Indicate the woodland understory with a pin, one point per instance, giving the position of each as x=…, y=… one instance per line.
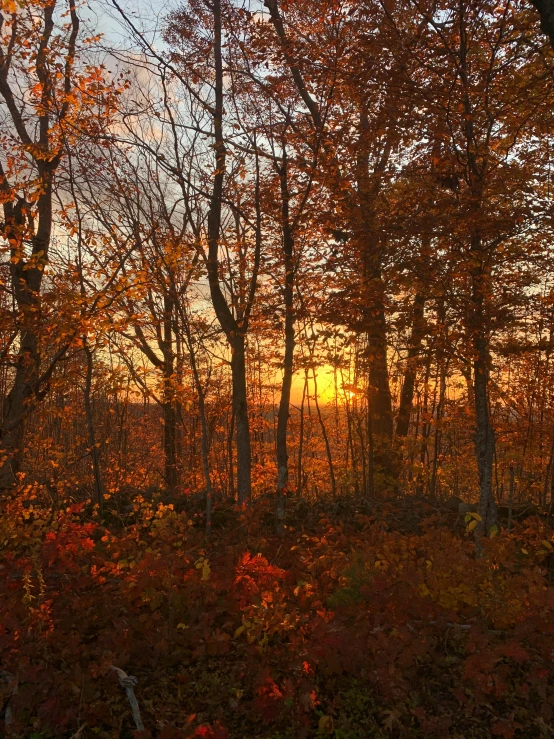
x=276, y=369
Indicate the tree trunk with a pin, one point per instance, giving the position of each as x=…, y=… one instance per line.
x=26, y=281
x=484, y=433
x=16, y=407
x=94, y=451
x=231, y=469
x=20, y=225
x=325, y=437
x=240, y=406
x=301, y=439
x=438, y=429
x=234, y=330
x=203, y=418
x=408, y=386
x=170, y=442
x=169, y=407
x=370, y=448
x=284, y=404
x=484, y=437
x=379, y=378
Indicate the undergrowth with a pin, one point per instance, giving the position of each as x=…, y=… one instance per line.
x=347, y=628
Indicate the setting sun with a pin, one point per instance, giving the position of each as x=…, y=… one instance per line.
x=276, y=369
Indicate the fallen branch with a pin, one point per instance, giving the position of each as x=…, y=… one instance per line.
x=79, y=733
x=128, y=682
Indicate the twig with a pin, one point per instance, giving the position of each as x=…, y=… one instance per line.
x=128, y=682
x=79, y=732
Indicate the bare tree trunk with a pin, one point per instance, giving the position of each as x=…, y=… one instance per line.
x=511, y=497
x=363, y=455
x=230, y=436
x=26, y=281
x=17, y=402
x=21, y=225
x=284, y=404
x=301, y=440
x=370, y=447
x=438, y=430
x=205, y=453
x=484, y=435
x=325, y=438
x=350, y=440
x=169, y=408
x=425, y=426
x=235, y=330
x=94, y=451
x=549, y=471
x=205, y=433
x=410, y=374
x=240, y=406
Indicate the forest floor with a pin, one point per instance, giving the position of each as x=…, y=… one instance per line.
x=361, y=621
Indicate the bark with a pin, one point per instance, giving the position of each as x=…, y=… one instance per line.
x=325, y=437
x=205, y=452
x=379, y=378
x=363, y=455
x=240, y=406
x=410, y=374
x=27, y=273
x=438, y=430
x=235, y=330
x=484, y=432
x=425, y=426
x=169, y=406
x=383, y=454
x=170, y=442
x=231, y=469
x=549, y=471
x=203, y=421
x=27, y=282
x=551, y=493
x=373, y=296
x=94, y=451
x=511, y=497
x=370, y=450
x=301, y=440
x=284, y=404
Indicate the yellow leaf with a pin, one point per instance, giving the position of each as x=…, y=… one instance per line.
x=547, y=544
x=471, y=525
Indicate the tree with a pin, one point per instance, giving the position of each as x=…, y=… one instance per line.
x=50, y=100
x=488, y=199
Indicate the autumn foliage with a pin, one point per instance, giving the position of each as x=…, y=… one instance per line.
x=358, y=629
x=276, y=348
